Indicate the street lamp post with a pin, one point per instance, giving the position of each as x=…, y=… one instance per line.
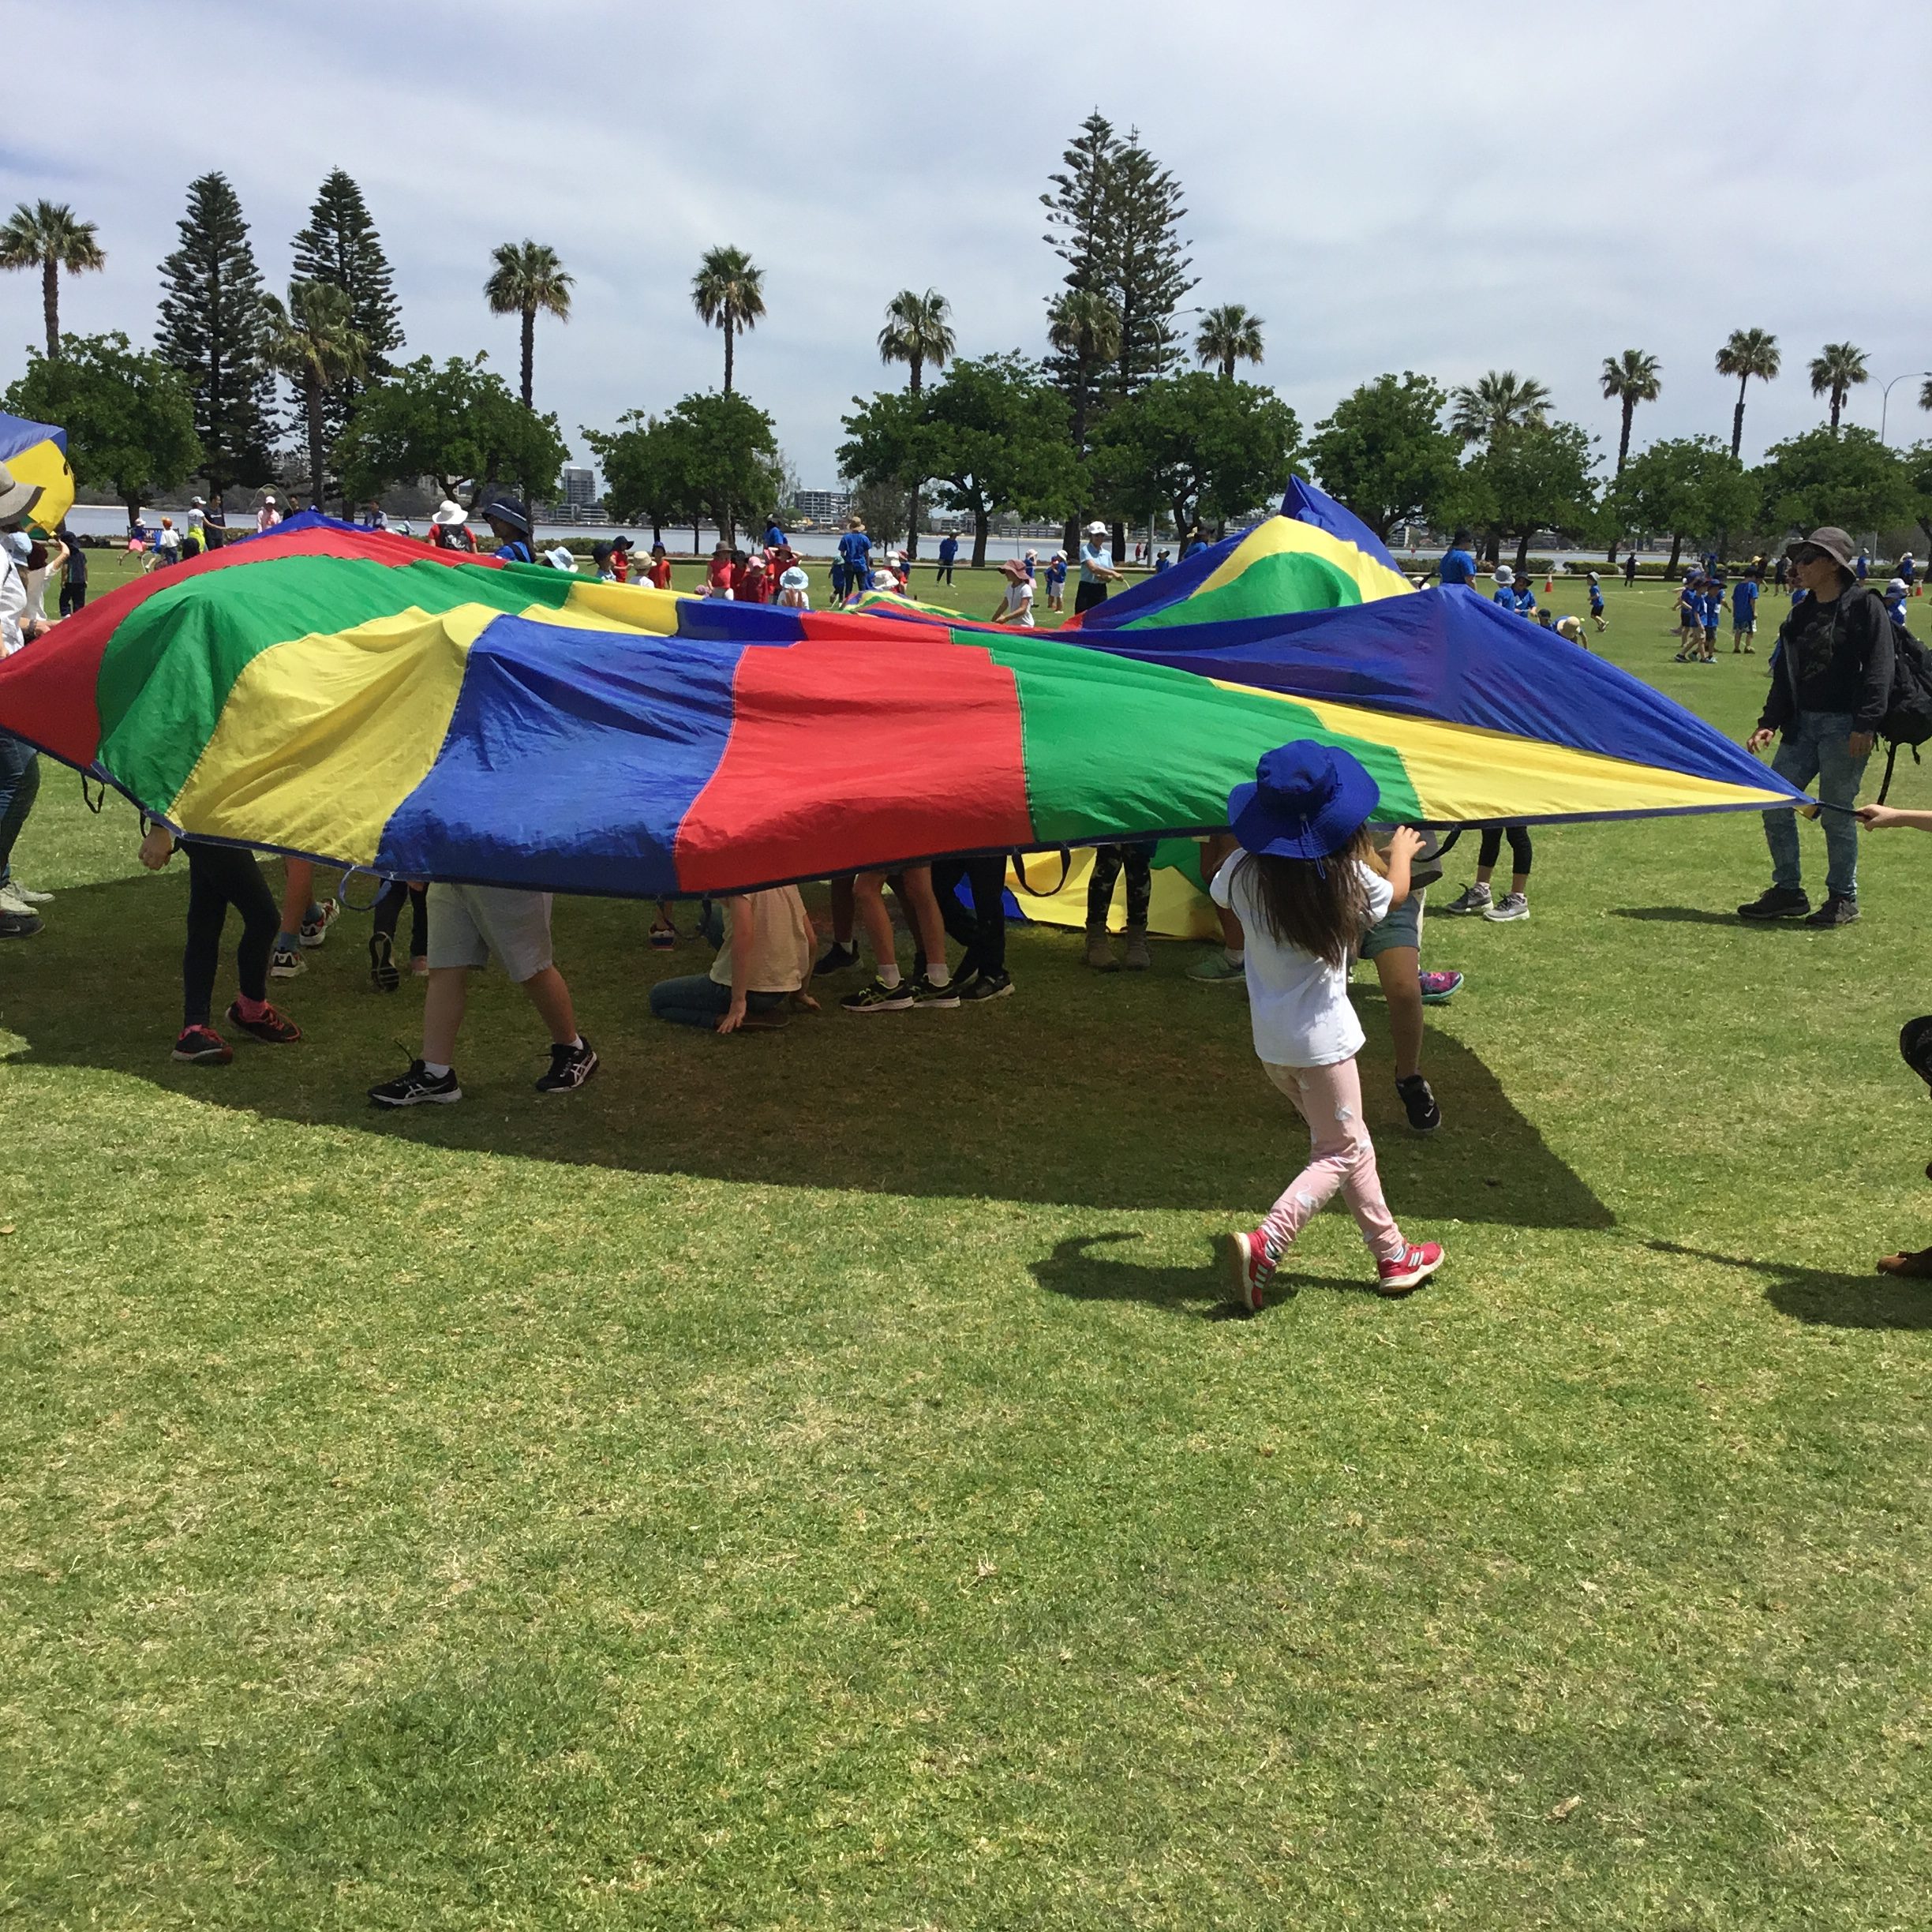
x=1884, y=401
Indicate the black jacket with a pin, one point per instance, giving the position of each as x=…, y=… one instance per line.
x=1839, y=662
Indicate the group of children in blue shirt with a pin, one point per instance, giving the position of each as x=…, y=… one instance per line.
x=1699, y=614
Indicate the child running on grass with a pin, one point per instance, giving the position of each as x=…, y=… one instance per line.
x=1597, y=602
x=1303, y=883
x=219, y=877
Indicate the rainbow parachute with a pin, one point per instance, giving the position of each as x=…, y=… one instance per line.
x=36, y=452
x=361, y=698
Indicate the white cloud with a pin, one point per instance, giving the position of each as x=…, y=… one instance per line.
x=1399, y=187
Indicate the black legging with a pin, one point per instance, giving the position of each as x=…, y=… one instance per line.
x=1108, y=862
x=389, y=911
x=982, y=931
x=219, y=877
x=943, y=574
x=1491, y=848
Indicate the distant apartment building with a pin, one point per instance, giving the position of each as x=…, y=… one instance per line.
x=822, y=506
x=580, y=489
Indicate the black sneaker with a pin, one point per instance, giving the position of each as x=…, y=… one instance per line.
x=1419, y=1103
x=570, y=1067
x=19, y=925
x=926, y=995
x=1838, y=910
x=837, y=959
x=383, y=974
x=1781, y=902
x=985, y=985
x=416, y=1087
x=880, y=998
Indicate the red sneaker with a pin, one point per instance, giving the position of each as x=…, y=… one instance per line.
x=274, y=1028
x=204, y=1045
x=1245, y=1258
x=1418, y=1261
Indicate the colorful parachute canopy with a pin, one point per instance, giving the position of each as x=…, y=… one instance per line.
x=36, y=452
x=362, y=698
x=1314, y=556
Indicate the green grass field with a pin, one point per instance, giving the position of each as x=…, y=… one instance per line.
x=801, y=1482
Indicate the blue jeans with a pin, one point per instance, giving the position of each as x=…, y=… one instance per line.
x=698, y=1001
x=1814, y=747
x=20, y=782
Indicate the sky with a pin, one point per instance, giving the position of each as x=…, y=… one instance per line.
x=1445, y=189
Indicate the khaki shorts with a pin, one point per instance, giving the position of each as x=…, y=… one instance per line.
x=1400, y=927
x=470, y=923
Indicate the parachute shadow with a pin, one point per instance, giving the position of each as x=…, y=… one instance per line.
x=1129, y=1091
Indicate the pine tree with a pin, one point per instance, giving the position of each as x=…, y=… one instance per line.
x=1145, y=262
x=340, y=245
x=1076, y=232
x=211, y=330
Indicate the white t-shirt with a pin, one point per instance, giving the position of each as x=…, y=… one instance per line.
x=1299, y=1004
x=1018, y=608
x=13, y=606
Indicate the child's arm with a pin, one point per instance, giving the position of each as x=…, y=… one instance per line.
x=744, y=932
x=1888, y=819
x=1404, y=843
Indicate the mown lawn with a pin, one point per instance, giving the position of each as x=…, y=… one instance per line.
x=801, y=1480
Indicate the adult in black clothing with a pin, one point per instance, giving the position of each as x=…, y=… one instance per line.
x=1831, y=682
x=74, y=574
x=1630, y=568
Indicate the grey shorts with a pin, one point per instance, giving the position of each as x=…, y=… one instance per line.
x=468, y=923
x=1402, y=927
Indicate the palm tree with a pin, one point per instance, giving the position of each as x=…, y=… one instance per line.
x=1083, y=324
x=1228, y=335
x=1630, y=379
x=1500, y=400
x=313, y=342
x=729, y=292
x=1834, y=372
x=1924, y=395
x=50, y=237
x=919, y=330
x=528, y=277
x=1746, y=353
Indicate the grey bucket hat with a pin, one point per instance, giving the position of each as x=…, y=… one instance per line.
x=1834, y=543
x=16, y=498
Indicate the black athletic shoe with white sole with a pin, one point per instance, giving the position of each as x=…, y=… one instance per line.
x=417, y=1088
x=570, y=1067
x=1419, y=1103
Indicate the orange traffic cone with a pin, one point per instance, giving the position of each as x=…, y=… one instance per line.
x=1549, y=584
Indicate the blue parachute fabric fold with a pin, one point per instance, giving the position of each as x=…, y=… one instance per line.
x=21, y=432
x=1307, y=504
x=1157, y=592
x=1452, y=656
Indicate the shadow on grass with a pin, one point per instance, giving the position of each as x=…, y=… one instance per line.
x=1824, y=1298
x=1702, y=915
x=1074, y=1270
x=1134, y=1090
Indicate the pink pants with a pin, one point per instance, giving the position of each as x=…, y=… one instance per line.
x=1340, y=1156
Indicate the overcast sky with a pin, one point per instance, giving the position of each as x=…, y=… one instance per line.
x=1448, y=190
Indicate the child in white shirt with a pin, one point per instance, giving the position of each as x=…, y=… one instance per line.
x=1304, y=884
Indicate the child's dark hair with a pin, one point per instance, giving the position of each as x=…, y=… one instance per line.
x=1318, y=906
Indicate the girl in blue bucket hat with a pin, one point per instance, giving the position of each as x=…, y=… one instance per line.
x=1306, y=885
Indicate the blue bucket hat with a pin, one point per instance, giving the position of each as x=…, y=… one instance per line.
x=1307, y=802
x=510, y=510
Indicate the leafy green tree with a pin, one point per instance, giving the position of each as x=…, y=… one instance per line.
x=1228, y=335
x=527, y=279
x=1747, y=352
x=210, y=329
x=1918, y=464
x=340, y=245
x=1533, y=476
x=919, y=330
x=646, y=462
x=129, y=415
x=1202, y=448
x=1835, y=372
x=1076, y=208
x=1688, y=486
x=994, y=435
x=315, y=343
x=882, y=506
x=1384, y=452
x=50, y=237
x=728, y=294
x=1845, y=476
x=455, y=421
x=1084, y=328
x=733, y=469
x=1629, y=379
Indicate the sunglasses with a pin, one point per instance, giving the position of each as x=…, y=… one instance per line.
x=1809, y=553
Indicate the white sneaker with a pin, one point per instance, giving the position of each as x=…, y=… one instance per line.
x=1510, y=906
x=28, y=893
x=12, y=900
